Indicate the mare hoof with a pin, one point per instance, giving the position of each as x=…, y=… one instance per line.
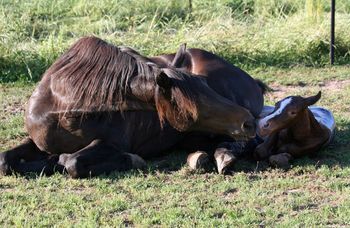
x=137, y=162
x=224, y=159
x=63, y=159
x=4, y=169
x=4, y=166
x=53, y=165
x=198, y=160
x=280, y=160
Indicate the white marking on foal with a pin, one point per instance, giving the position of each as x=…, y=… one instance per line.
x=283, y=105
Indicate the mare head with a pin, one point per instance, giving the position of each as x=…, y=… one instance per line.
x=189, y=104
x=286, y=113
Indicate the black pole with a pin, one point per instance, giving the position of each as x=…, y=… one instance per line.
x=332, y=32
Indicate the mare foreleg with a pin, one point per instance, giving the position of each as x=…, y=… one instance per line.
x=27, y=158
x=99, y=158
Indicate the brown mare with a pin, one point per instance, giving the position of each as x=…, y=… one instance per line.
x=292, y=131
x=100, y=108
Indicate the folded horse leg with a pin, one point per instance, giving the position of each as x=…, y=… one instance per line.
x=225, y=154
x=223, y=159
x=228, y=152
x=99, y=158
x=264, y=150
x=27, y=158
x=291, y=150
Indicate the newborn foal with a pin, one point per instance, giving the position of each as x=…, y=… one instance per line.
x=291, y=131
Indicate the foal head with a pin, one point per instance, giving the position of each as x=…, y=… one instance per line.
x=286, y=113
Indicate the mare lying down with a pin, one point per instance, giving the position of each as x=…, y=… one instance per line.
x=289, y=130
x=292, y=129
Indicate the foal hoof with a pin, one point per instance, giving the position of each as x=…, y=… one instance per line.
x=224, y=159
x=280, y=160
x=137, y=162
x=198, y=160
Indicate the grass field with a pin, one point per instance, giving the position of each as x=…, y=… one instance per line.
x=282, y=42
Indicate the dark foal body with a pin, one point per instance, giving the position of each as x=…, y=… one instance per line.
x=293, y=132
x=91, y=126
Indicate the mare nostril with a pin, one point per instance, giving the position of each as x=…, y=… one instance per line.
x=249, y=126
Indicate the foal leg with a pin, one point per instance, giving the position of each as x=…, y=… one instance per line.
x=264, y=150
x=289, y=151
x=27, y=158
x=99, y=158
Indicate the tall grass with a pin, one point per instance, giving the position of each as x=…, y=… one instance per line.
x=249, y=33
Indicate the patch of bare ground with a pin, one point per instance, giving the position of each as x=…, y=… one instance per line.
x=14, y=108
x=281, y=91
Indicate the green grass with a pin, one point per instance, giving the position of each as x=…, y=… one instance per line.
x=282, y=42
x=249, y=33
x=314, y=192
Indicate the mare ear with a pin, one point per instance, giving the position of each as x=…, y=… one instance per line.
x=312, y=100
x=164, y=81
x=179, y=57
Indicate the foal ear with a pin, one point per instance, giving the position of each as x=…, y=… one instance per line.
x=180, y=56
x=312, y=100
x=164, y=81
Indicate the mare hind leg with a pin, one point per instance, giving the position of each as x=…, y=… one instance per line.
x=99, y=158
x=27, y=158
